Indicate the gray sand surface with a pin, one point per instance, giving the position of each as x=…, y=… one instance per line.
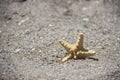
x=30, y=31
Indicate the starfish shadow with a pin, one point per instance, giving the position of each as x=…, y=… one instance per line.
x=93, y=58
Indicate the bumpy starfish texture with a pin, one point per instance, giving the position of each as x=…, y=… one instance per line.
x=77, y=50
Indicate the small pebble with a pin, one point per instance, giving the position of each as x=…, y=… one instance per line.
x=41, y=37
x=27, y=32
x=40, y=50
x=96, y=2
x=84, y=8
x=33, y=49
x=17, y=50
x=23, y=21
x=54, y=49
x=50, y=25
x=85, y=19
x=118, y=39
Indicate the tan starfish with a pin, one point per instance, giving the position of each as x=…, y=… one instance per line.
x=77, y=50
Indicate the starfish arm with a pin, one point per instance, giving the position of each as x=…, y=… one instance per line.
x=84, y=54
x=79, y=43
x=69, y=56
x=89, y=52
x=66, y=45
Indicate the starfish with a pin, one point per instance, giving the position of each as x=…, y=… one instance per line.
x=76, y=51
